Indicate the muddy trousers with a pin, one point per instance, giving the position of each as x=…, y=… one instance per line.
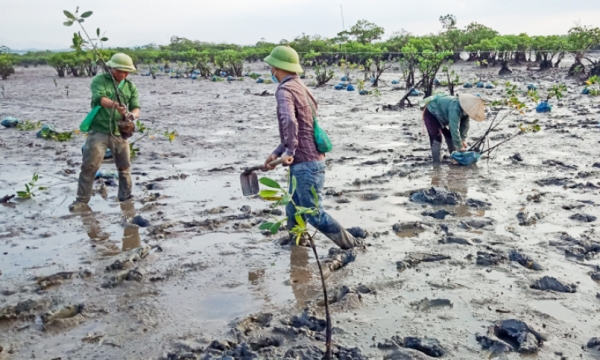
x=436, y=131
x=93, y=155
x=308, y=175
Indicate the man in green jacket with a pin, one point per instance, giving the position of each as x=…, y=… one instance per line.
x=449, y=116
x=104, y=131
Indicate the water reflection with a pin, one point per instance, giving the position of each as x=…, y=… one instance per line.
x=456, y=178
x=131, y=236
x=303, y=287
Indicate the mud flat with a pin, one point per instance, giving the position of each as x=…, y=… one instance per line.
x=504, y=261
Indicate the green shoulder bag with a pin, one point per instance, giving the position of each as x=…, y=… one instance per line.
x=87, y=122
x=321, y=139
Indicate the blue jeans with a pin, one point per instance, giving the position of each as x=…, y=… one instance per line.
x=309, y=174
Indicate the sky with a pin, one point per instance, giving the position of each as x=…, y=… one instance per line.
x=37, y=24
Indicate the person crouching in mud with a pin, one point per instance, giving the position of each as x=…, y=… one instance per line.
x=449, y=116
x=104, y=131
x=298, y=148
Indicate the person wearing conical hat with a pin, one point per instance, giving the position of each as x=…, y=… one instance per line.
x=103, y=130
x=296, y=108
x=448, y=116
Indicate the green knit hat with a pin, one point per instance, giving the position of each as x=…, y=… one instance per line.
x=285, y=58
x=121, y=62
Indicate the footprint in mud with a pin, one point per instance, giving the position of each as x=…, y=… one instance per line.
x=408, y=230
x=368, y=196
x=511, y=335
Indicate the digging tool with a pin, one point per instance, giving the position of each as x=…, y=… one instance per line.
x=249, y=179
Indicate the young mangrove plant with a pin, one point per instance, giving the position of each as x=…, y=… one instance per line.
x=30, y=188
x=281, y=196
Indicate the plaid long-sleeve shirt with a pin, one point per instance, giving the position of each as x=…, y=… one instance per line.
x=296, y=121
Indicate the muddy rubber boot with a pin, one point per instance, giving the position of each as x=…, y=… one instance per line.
x=80, y=207
x=124, y=185
x=436, y=152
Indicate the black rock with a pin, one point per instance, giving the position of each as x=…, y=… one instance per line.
x=583, y=217
x=595, y=341
x=478, y=223
x=485, y=258
x=343, y=353
x=596, y=276
x=358, y=232
x=478, y=204
x=517, y=157
x=338, y=258
x=524, y=220
x=548, y=283
x=554, y=181
x=524, y=260
x=405, y=354
x=440, y=214
x=511, y=335
x=428, y=346
x=414, y=259
x=436, y=196
x=140, y=221
x=455, y=240
x=266, y=341
x=307, y=320
x=246, y=209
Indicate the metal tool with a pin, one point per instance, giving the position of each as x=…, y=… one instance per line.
x=249, y=179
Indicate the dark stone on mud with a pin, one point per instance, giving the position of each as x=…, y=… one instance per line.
x=553, y=181
x=548, y=283
x=426, y=304
x=485, y=258
x=596, y=276
x=343, y=353
x=406, y=354
x=358, y=232
x=478, y=204
x=478, y=223
x=307, y=320
x=583, y=217
x=455, y=240
x=517, y=157
x=246, y=209
x=140, y=221
x=266, y=341
x=429, y=346
x=436, y=196
x=596, y=165
x=525, y=220
x=440, y=214
x=511, y=335
x=414, y=259
x=524, y=260
x=595, y=341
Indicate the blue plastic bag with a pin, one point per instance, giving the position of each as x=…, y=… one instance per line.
x=229, y=78
x=531, y=87
x=466, y=158
x=415, y=92
x=339, y=87
x=395, y=82
x=350, y=88
x=585, y=91
x=489, y=86
x=214, y=78
x=223, y=73
x=436, y=82
x=46, y=128
x=468, y=85
x=543, y=107
x=10, y=122
x=480, y=85
x=344, y=78
x=107, y=174
x=363, y=92
x=259, y=81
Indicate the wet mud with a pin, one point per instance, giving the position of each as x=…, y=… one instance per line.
x=490, y=261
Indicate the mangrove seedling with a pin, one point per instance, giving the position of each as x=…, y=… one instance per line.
x=281, y=196
x=170, y=135
x=29, y=125
x=30, y=188
x=49, y=134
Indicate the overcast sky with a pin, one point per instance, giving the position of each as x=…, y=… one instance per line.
x=38, y=23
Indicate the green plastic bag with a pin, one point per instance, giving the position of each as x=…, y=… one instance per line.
x=323, y=143
x=87, y=122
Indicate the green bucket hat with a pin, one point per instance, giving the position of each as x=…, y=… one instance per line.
x=285, y=58
x=121, y=62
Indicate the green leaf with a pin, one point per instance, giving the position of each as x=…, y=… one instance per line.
x=98, y=32
x=104, y=39
x=286, y=199
x=42, y=188
x=269, y=182
x=267, y=193
x=265, y=226
x=300, y=220
x=27, y=188
x=294, y=185
x=275, y=227
x=68, y=23
x=298, y=237
x=86, y=14
x=23, y=194
x=315, y=195
x=69, y=15
x=35, y=177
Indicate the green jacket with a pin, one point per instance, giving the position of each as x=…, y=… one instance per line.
x=102, y=86
x=449, y=113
